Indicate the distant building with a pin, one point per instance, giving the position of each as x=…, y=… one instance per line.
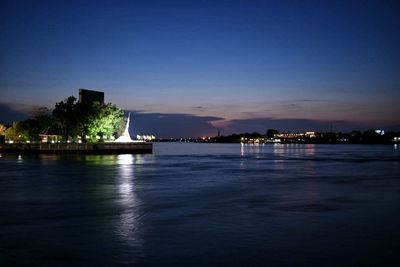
x=311, y=134
x=89, y=96
x=289, y=135
x=295, y=137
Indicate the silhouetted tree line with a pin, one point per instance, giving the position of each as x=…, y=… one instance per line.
x=354, y=137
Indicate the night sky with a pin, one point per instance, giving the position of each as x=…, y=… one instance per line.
x=189, y=68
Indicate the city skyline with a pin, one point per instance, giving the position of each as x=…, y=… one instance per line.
x=193, y=68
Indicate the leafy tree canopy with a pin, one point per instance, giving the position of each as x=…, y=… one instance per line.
x=104, y=122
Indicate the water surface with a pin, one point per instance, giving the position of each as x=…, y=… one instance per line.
x=204, y=205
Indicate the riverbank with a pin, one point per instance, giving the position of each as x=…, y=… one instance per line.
x=87, y=148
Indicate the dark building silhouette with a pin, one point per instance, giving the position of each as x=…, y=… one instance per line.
x=89, y=96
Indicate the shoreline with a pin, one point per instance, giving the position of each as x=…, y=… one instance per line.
x=88, y=148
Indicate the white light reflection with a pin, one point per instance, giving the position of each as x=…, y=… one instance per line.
x=283, y=152
x=129, y=219
x=125, y=162
x=304, y=155
x=279, y=152
x=294, y=150
x=309, y=150
x=250, y=148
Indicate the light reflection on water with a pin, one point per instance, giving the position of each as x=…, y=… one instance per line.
x=294, y=150
x=129, y=221
x=125, y=167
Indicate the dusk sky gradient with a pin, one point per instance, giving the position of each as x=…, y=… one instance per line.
x=189, y=68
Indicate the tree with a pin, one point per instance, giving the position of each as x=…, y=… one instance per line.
x=103, y=122
x=10, y=133
x=30, y=128
x=72, y=120
x=2, y=129
x=66, y=117
x=43, y=117
x=39, y=123
x=16, y=133
x=94, y=122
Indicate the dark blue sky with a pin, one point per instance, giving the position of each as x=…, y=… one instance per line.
x=229, y=65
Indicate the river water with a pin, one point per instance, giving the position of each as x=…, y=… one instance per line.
x=204, y=205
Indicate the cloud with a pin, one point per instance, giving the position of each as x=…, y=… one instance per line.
x=175, y=125
x=164, y=125
x=13, y=112
x=310, y=100
x=293, y=106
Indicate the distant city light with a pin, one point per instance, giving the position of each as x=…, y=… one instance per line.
x=145, y=137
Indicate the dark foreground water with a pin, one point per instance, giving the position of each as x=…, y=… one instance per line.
x=204, y=205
